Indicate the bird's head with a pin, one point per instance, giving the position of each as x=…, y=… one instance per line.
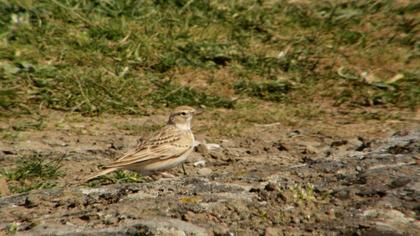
x=181, y=117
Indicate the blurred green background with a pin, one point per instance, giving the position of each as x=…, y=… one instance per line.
x=130, y=57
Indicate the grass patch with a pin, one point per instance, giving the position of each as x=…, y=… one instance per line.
x=372, y=90
x=173, y=95
x=26, y=125
x=120, y=176
x=266, y=90
x=139, y=129
x=120, y=56
x=32, y=172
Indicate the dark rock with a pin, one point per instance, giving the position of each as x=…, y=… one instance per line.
x=369, y=192
x=399, y=182
x=308, y=160
x=361, y=179
x=342, y=194
x=279, y=146
x=338, y=143
x=361, y=144
x=189, y=216
x=270, y=187
x=280, y=196
x=29, y=203
x=8, y=152
x=402, y=148
x=255, y=190
x=218, y=155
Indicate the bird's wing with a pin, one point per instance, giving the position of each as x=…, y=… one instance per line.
x=167, y=143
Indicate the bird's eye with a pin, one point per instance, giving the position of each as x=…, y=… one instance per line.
x=183, y=113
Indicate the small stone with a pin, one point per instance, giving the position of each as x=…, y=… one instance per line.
x=220, y=230
x=293, y=133
x=343, y=194
x=194, y=157
x=389, y=222
x=189, y=216
x=212, y=146
x=400, y=182
x=228, y=143
x=270, y=187
x=217, y=155
x=202, y=149
x=271, y=231
x=204, y=171
x=338, y=143
x=201, y=163
x=295, y=220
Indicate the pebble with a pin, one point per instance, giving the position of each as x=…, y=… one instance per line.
x=212, y=146
x=271, y=231
x=343, y=194
x=200, y=163
x=400, y=182
x=204, y=171
x=202, y=149
x=270, y=187
x=217, y=155
x=189, y=216
x=228, y=143
x=221, y=230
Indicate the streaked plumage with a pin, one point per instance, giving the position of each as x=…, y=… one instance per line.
x=165, y=149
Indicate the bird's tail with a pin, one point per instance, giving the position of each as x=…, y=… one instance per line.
x=104, y=172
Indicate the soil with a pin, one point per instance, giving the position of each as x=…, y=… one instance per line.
x=334, y=176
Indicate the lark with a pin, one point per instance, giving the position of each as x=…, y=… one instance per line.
x=165, y=149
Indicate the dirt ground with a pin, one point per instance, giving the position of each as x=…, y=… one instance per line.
x=326, y=177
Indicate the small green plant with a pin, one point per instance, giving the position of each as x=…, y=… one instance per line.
x=306, y=194
x=303, y=194
x=25, y=125
x=33, y=172
x=120, y=176
x=126, y=177
x=12, y=227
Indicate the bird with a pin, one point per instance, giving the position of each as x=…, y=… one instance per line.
x=165, y=149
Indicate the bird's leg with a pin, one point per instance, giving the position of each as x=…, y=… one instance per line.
x=183, y=169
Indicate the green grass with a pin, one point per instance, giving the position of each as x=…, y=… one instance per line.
x=122, y=56
x=120, y=176
x=32, y=172
x=267, y=90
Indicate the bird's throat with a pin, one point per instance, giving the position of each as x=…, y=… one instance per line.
x=183, y=126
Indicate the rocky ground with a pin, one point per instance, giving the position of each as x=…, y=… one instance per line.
x=313, y=179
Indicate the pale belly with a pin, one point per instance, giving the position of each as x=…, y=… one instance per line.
x=152, y=168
